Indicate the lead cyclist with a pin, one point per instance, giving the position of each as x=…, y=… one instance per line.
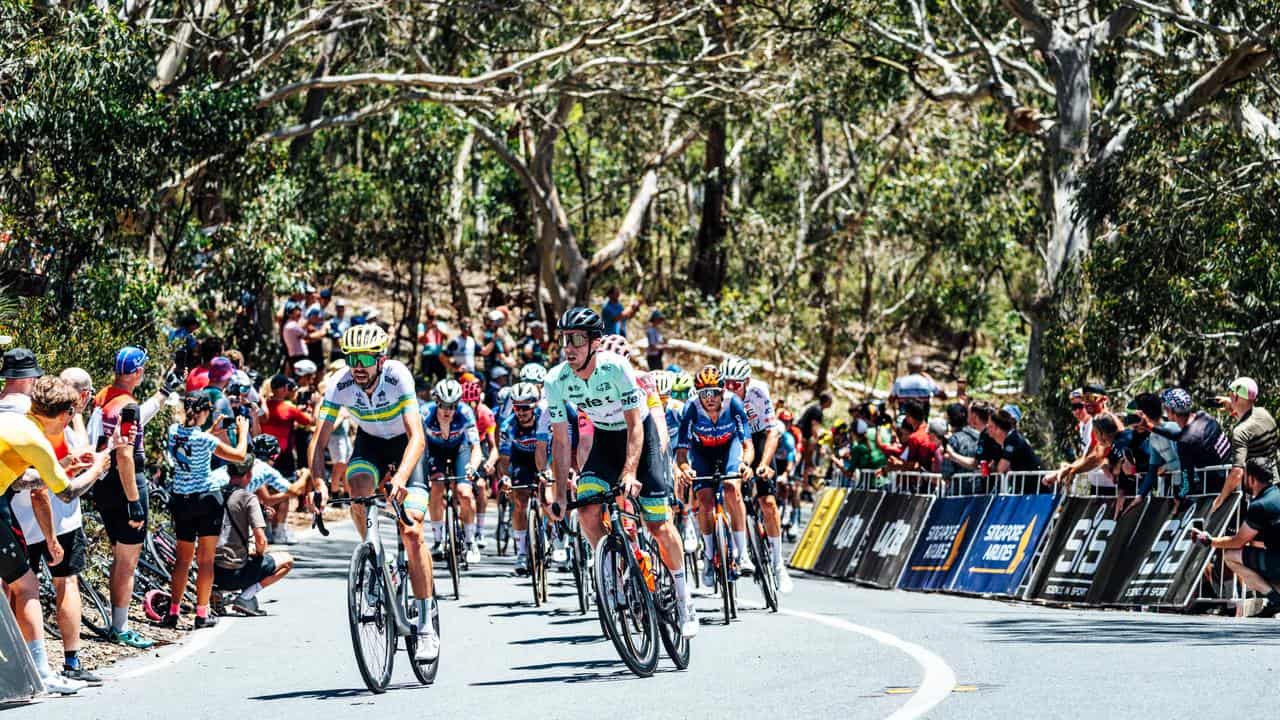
x=379, y=395
x=626, y=449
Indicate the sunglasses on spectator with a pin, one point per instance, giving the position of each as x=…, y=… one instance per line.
x=1077, y=406
x=733, y=384
x=361, y=360
x=577, y=339
x=710, y=392
x=447, y=406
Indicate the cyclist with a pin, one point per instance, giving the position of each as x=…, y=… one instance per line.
x=487, y=429
x=713, y=438
x=618, y=345
x=761, y=422
x=379, y=395
x=662, y=381
x=196, y=503
x=681, y=386
x=518, y=464
x=626, y=447
x=452, y=451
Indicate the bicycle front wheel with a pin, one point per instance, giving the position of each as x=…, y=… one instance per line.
x=536, y=549
x=765, y=575
x=95, y=611
x=451, y=541
x=581, y=579
x=677, y=645
x=626, y=607
x=721, y=539
x=372, y=636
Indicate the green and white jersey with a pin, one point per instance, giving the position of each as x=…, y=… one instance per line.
x=380, y=415
x=604, y=397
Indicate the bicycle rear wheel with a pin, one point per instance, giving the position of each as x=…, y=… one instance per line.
x=626, y=607
x=536, y=549
x=451, y=547
x=721, y=540
x=372, y=635
x=676, y=644
x=581, y=562
x=425, y=672
x=95, y=612
x=766, y=565
x=503, y=533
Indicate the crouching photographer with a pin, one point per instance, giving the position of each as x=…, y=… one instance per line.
x=1257, y=567
x=238, y=564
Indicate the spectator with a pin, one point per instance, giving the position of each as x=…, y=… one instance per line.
x=431, y=341
x=964, y=441
x=1162, y=453
x=615, y=316
x=1016, y=453
x=988, y=453
x=198, y=377
x=500, y=379
x=311, y=299
x=1201, y=444
x=921, y=447
x=1086, y=472
x=866, y=412
x=494, y=347
x=316, y=333
x=293, y=335
x=338, y=324
x=915, y=385
x=1254, y=436
x=938, y=431
x=1084, y=429
x=460, y=352
x=282, y=417
x=185, y=346
x=236, y=566
x=657, y=342
x=19, y=371
x=340, y=439
x=53, y=529
x=810, y=428
x=1257, y=567
x=534, y=347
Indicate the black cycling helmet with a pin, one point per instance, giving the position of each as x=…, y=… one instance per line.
x=265, y=447
x=581, y=318
x=241, y=468
x=196, y=402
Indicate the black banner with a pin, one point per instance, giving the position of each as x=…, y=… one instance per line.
x=1121, y=567
x=1171, y=566
x=1086, y=546
x=847, y=532
x=18, y=678
x=892, y=535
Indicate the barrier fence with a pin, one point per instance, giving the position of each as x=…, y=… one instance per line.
x=1017, y=535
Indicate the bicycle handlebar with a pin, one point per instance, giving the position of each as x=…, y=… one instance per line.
x=368, y=501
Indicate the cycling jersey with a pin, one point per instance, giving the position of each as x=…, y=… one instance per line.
x=604, y=397
x=461, y=428
x=380, y=414
x=486, y=423
x=759, y=408
x=520, y=444
x=714, y=445
x=786, y=453
x=673, y=410
x=192, y=451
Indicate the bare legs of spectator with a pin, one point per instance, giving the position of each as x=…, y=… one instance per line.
x=24, y=598
x=337, y=477
x=1251, y=579
x=124, y=563
x=202, y=551
x=69, y=609
x=284, y=564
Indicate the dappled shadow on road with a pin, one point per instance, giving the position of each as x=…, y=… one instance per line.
x=579, y=664
x=623, y=675
x=574, y=620
x=567, y=639
x=336, y=693
x=1121, y=631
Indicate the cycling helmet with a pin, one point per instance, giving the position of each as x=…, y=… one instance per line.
x=581, y=318
x=533, y=373
x=616, y=344
x=196, y=402
x=662, y=381
x=708, y=377
x=525, y=394
x=682, y=383
x=368, y=338
x=472, y=391
x=244, y=467
x=265, y=447
x=304, y=367
x=735, y=368
x=447, y=391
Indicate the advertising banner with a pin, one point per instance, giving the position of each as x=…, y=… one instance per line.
x=1085, y=547
x=847, y=534
x=943, y=542
x=814, y=538
x=1172, y=565
x=1004, y=545
x=891, y=538
x=18, y=677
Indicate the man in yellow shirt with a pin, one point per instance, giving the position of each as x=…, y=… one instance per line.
x=23, y=445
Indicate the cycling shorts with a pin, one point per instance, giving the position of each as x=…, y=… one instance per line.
x=197, y=515
x=604, y=464
x=373, y=456
x=75, y=547
x=13, y=550
x=445, y=462
x=108, y=499
x=707, y=462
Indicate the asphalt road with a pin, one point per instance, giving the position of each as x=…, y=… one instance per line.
x=842, y=651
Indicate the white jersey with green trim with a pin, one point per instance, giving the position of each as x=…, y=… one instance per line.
x=604, y=397
x=379, y=414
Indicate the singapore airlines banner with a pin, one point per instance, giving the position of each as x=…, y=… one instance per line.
x=1004, y=545
x=944, y=541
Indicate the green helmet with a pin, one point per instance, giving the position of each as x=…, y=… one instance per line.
x=681, y=386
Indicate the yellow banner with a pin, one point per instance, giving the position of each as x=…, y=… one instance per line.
x=825, y=510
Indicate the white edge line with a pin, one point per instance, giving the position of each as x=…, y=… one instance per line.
x=197, y=642
x=938, y=681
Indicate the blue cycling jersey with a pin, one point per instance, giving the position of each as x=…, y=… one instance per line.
x=698, y=431
x=461, y=428
x=521, y=443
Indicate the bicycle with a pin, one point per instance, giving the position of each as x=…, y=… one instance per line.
x=761, y=551
x=455, y=550
x=579, y=561
x=502, y=534
x=724, y=557
x=538, y=543
x=378, y=601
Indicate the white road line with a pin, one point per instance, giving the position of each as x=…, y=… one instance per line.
x=194, y=642
x=938, y=679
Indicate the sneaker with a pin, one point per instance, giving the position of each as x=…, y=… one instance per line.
x=1270, y=610
x=437, y=550
x=480, y=542
x=785, y=586
x=559, y=555
x=688, y=619
x=170, y=621
x=690, y=538
x=708, y=574
x=744, y=565
x=428, y=646
x=81, y=675
x=59, y=685
x=207, y=621
x=131, y=638
x=522, y=565
x=248, y=606
x=473, y=554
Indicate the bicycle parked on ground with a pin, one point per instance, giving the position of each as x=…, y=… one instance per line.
x=380, y=610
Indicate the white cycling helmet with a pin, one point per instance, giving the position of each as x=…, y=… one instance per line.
x=447, y=391
x=735, y=368
x=525, y=394
x=533, y=373
x=616, y=344
x=304, y=367
x=662, y=381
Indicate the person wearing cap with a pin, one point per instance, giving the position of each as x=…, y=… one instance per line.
x=1017, y=455
x=915, y=385
x=282, y=417
x=534, y=346
x=293, y=334
x=1201, y=443
x=1086, y=472
x=1083, y=421
x=220, y=373
x=19, y=372
x=494, y=347
x=1253, y=437
x=657, y=342
x=338, y=324
x=1257, y=567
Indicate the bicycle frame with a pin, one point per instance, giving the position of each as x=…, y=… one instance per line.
x=375, y=505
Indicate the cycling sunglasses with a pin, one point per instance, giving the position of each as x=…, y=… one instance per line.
x=523, y=408
x=361, y=360
x=447, y=406
x=577, y=339
x=710, y=392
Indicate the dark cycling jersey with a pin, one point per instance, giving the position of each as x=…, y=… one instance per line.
x=714, y=444
x=461, y=428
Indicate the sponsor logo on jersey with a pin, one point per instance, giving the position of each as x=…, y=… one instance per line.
x=344, y=384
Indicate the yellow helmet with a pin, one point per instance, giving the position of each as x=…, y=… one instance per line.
x=367, y=338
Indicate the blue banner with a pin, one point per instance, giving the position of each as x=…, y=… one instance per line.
x=943, y=542
x=1004, y=545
